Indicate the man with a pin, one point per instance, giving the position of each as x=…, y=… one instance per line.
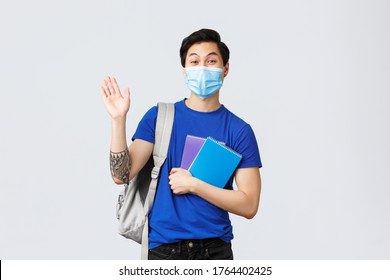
x=189, y=218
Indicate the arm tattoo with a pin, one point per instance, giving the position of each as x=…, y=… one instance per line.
x=120, y=165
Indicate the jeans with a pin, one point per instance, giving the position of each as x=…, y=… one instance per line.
x=197, y=249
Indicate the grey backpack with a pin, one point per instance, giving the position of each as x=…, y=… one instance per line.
x=136, y=199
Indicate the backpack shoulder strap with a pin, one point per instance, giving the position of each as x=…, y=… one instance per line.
x=163, y=131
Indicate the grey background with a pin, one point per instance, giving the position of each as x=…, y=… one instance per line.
x=311, y=77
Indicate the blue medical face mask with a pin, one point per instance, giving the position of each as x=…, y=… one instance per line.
x=203, y=81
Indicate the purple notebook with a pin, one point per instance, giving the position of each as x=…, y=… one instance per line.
x=192, y=146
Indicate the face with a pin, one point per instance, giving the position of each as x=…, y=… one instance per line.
x=205, y=54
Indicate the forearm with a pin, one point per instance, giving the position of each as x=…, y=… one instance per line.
x=118, y=135
x=119, y=154
x=233, y=201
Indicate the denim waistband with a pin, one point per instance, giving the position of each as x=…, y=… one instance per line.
x=195, y=244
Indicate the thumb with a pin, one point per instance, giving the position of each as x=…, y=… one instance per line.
x=126, y=94
x=174, y=170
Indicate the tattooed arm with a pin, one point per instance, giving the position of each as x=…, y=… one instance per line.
x=125, y=162
x=120, y=166
x=122, y=169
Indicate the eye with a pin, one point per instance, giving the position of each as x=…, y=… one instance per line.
x=194, y=62
x=212, y=61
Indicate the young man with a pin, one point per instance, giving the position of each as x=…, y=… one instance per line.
x=189, y=218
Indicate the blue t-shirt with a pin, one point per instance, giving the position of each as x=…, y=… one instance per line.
x=179, y=217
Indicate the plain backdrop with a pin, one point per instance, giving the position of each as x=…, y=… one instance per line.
x=311, y=77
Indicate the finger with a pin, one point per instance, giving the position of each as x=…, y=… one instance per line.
x=103, y=92
x=127, y=93
x=127, y=96
x=174, y=170
x=109, y=84
x=177, y=191
x=105, y=88
x=105, y=83
x=116, y=87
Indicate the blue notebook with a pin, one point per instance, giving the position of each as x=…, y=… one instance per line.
x=215, y=163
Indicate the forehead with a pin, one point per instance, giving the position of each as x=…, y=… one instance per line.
x=203, y=49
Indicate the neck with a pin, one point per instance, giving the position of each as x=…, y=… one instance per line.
x=210, y=104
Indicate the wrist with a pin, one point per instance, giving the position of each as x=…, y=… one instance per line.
x=194, y=183
x=117, y=121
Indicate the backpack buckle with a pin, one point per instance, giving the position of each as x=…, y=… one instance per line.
x=119, y=205
x=155, y=172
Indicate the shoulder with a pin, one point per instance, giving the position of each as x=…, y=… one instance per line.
x=150, y=116
x=151, y=113
x=237, y=122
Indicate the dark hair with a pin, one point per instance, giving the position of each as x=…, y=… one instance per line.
x=204, y=35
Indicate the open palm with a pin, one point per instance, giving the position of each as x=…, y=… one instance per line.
x=116, y=104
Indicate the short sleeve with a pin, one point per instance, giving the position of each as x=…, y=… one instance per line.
x=246, y=145
x=146, y=127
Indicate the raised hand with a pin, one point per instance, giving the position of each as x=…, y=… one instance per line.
x=116, y=104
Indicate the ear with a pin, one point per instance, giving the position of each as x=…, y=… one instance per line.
x=226, y=71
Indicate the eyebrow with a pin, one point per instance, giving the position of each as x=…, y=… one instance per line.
x=212, y=53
